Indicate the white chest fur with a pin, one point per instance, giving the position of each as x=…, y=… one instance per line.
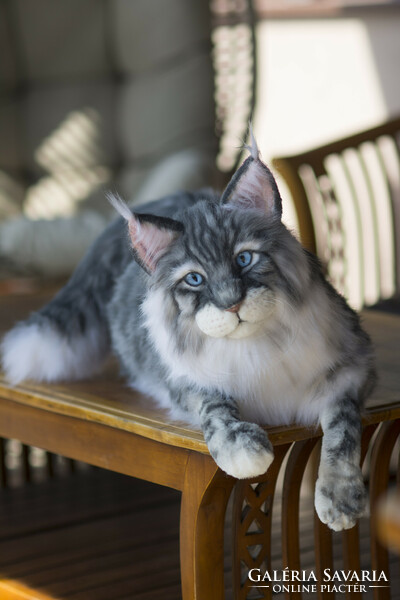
x=274, y=374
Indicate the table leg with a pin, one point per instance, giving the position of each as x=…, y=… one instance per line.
x=204, y=498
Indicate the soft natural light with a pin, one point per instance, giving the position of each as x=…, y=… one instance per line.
x=71, y=156
x=317, y=80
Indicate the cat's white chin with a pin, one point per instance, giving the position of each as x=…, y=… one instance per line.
x=218, y=323
x=244, y=330
x=215, y=322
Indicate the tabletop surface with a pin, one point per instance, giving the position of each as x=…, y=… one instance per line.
x=106, y=399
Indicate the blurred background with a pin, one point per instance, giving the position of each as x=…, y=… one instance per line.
x=326, y=69
x=146, y=97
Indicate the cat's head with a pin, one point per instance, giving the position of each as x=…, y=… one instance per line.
x=225, y=264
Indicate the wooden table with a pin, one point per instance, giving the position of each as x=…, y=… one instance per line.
x=102, y=422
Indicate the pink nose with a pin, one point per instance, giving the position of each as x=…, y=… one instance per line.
x=234, y=309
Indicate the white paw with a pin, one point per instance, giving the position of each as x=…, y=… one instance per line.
x=340, y=501
x=245, y=451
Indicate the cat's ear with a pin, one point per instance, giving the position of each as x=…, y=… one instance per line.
x=150, y=235
x=253, y=185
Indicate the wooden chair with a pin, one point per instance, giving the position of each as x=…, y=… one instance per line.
x=347, y=200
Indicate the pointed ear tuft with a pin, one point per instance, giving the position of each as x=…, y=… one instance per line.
x=253, y=148
x=253, y=186
x=150, y=235
x=120, y=206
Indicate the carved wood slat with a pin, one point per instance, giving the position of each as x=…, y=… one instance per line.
x=334, y=224
x=252, y=519
x=353, y=258
x=310, y=186
x=350, y=537
x=250, y=497
x=351, y=556
x=380, y=460
x=304, y=211
x=295, y=467
x=323, y=554
x=361, y=246
x=389, y=155
x=373, y=251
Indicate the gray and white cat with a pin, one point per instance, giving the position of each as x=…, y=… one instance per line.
x=226, y=320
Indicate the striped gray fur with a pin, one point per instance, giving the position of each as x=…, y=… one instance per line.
x=341, y=499
x=213, y=308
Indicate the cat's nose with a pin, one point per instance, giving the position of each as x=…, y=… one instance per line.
x=235, y=308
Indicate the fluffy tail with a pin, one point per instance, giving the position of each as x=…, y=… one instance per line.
x=69, y=337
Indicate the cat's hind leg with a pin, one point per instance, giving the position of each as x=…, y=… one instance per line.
x=40, y=349
x=65, y=340
x=340, y=494
x=69, y=337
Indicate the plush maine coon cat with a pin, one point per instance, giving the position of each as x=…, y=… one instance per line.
x=226, y=320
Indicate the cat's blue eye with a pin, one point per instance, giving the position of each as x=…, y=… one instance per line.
x=244, y=258
x=194, y=279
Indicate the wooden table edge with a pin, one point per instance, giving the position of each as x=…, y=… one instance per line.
x=167, y=433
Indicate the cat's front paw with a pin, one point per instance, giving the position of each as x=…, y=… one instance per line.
x=243, y=451
x=340, y=500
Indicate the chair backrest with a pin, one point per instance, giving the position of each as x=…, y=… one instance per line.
x=347, y=199
x=99, y=93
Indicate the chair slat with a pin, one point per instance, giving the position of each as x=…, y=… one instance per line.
x=380, y=461
x=390, y=157
x=351, y=537
x=295, y=467
x=304, y=214
x=252, y=516
x=323, y=555
x=357, y=163
x=364, y=170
